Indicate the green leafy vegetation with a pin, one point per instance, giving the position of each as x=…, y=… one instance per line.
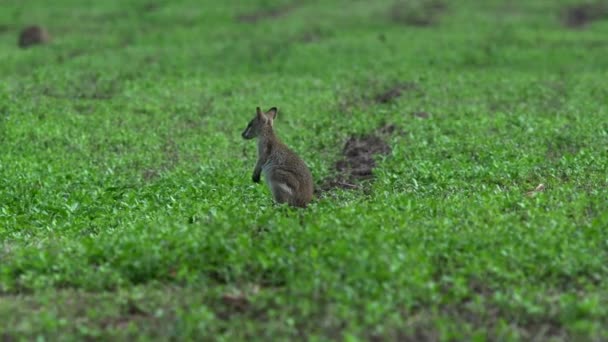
x=127, y=207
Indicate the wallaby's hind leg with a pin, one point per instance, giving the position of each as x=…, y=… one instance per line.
x=283, y=186
x=281, y=192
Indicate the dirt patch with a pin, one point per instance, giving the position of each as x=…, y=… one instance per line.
x=90, y=86
x=419, y=13
x=171, y=153
x=265, y=14
x=172, y=158
x=236, y=303
x=489, y=315
x=150, y=6
x=421, y=115
x=150, y=174
x=562, y=145
x=581, y=15
x=389, y=129
x=392, y=93
x=130, y=312
x=33, y=35
x=96, y=87
x=240, y=304
x=359, y=155
x=311, y=36
x=239, y=301
x=358, y=161
x=374, y=92
x=69, y=55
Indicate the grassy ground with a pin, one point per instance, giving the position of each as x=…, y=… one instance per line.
x=127, y=207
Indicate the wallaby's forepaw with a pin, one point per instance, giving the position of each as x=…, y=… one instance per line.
x=255, y=178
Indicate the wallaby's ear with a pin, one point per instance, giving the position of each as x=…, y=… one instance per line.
x=272, y=113
x=259, y=113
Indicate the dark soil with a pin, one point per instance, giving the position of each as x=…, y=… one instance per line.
x=236, y=302
x=311, y=36
x=421, y=115
x=359, y=154
x=69, y=55
x=260, y=15
x=171, y=160
x=417, y=12
x=33, y=35
x=579, y=16
x=374, y=92
x=390, y=129
x=393, y=92
x=358, y=161
x=151, y=6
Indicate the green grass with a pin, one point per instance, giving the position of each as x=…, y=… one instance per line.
x=127, y=207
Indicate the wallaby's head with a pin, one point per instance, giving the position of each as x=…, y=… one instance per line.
x=261, y=122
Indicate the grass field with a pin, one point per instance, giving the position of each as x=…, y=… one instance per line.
x=127, y=207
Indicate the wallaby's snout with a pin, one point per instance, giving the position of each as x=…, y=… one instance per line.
x=247, y=133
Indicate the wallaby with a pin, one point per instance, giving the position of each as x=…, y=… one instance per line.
x=33, y=35
x=286, y=175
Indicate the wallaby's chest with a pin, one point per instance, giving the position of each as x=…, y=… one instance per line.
x=268, y=151
x=270, y=155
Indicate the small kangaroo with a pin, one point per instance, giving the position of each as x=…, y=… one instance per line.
x=287, y=176
x=33, y=35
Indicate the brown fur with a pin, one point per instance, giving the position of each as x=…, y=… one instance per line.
x=32, y=35
x=287, y=176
